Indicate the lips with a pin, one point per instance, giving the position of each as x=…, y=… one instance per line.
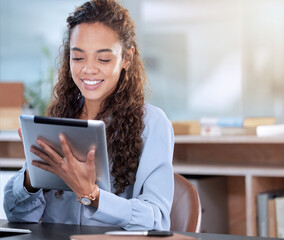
x=91, y=84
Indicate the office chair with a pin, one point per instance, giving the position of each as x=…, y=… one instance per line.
x=186, y=209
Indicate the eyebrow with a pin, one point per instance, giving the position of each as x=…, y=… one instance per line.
x=104, y=50
x=98, y=51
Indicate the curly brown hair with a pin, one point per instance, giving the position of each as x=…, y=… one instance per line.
x=122, y=110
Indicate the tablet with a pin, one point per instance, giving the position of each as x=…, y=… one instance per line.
x=6, y=231
x=82, y=136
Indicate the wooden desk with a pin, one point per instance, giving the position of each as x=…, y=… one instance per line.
x=250, y=164
x=54, y=231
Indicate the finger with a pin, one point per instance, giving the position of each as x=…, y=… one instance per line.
x=65, y=147
x=36, y=150
x=53, y=155
x=20, y=134
x=91, y=156
x=43, y=166
x=43, y=156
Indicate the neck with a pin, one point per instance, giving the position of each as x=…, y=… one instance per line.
x=90, y=110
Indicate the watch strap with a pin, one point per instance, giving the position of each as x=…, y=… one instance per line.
x=92, y=196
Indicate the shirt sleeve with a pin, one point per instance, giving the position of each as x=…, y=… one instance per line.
x=19, y=204
x=150, y=206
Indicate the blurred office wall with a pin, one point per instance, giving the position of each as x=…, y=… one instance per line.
x=203, y=57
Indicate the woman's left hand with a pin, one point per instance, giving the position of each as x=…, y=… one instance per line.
x=79, y=176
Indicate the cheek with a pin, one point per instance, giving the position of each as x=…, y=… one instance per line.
x=115, y=70
x=75, y=69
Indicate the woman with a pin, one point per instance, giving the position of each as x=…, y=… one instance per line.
x=102, y=77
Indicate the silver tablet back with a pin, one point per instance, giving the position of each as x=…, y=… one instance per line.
x=82, y=136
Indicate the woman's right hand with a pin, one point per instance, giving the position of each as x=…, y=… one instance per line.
x=27, y=180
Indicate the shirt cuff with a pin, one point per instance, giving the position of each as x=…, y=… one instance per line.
x=19, y=190
x=118, y=214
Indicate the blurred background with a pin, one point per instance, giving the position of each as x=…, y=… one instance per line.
x=203, y=57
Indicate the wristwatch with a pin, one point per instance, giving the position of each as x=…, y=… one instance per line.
x=87, y=199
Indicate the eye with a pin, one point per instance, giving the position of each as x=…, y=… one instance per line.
x=104, y=60
x=77, y=59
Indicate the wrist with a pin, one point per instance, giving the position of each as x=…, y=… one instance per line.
x=89, y=198
x=27, y=183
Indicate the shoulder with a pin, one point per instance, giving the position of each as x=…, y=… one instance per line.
x=155, y=119
x=153, y=114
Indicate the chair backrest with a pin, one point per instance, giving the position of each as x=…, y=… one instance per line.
x=186, y=208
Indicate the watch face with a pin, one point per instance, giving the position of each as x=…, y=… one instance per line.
x=85, y=201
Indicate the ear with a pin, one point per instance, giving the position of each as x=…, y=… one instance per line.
x=129, y=54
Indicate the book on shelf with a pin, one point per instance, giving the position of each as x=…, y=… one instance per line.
x=242, y=122
x=222, y=121
x=191, y=127
x=272, y=225
x=279, y=207
x=270, y=130
x=253, y=122
x=226, y=126
x=265, y=211
x=220, y=126
x=226, y=131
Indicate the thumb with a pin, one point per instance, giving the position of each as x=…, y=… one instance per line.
x=20, y=134
x=91, y=156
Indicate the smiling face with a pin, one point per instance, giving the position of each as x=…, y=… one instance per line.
x=95, y=60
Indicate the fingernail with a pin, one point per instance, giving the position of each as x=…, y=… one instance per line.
x=61, y=137
x=93, y=152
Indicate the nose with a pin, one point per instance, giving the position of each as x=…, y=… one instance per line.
x=90, y=68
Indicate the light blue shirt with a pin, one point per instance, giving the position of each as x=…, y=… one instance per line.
x=145, y=205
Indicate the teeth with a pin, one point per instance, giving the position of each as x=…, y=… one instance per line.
x=91, y=82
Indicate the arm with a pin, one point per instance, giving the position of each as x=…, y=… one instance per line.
x=152, y=197
x=19, y=204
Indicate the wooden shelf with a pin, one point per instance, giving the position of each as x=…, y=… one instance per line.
x=11, y=148
x=250, y=164
x=179, y=139
x=228, y=170
x=184, y=139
